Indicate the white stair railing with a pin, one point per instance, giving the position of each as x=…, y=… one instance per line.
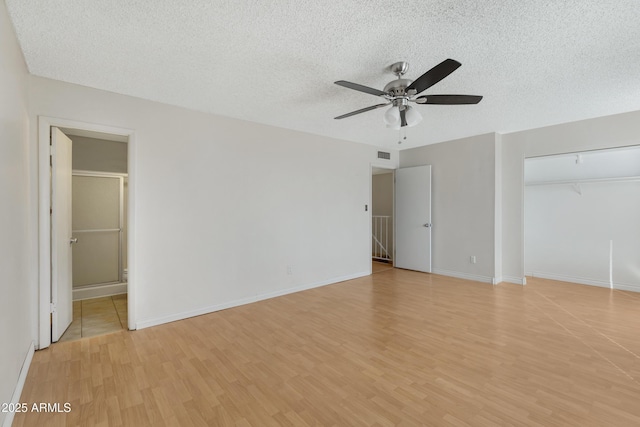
x=380, y=234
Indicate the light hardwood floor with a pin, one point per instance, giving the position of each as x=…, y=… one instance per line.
x=394, y=348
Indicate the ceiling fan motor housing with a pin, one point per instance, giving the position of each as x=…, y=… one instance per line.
x=397, y=87
x=401, y=102
x=399, y=68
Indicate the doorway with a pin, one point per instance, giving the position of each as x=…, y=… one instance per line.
x=401, y=218
x=382, y=219
x=100, y=181
x=99, y=233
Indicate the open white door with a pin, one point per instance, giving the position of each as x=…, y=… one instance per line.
x=413, y=218
x=61, y=285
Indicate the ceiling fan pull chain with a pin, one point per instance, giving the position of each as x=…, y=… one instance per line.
x=402, y=138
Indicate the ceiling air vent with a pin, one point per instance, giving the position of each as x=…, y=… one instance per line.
x=384, y=155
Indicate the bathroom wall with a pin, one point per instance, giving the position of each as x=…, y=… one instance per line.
x=93, y=154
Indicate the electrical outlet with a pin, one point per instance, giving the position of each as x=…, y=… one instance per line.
x=289, y=270
x=472, y=259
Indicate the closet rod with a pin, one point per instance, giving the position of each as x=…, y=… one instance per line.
x=585, y=180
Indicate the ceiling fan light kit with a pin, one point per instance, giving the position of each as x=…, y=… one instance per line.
x=400, y=92
x=412, y=116
x=392, y=117
x=393, y=120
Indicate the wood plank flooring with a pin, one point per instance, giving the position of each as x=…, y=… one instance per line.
x=394, y=348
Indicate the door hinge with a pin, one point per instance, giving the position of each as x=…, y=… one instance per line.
x=52, y=308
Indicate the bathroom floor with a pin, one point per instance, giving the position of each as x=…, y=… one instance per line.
x=97, y=316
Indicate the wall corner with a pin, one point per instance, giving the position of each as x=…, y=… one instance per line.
x=497, y=237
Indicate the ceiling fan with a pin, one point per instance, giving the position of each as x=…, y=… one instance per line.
x=400, y=92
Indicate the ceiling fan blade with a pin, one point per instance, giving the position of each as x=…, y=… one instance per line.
x=434, y=75
x=353, y=113
x=360, y=88
x=448, y=99
x=403, y=118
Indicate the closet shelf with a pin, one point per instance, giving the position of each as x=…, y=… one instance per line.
x=584, y=181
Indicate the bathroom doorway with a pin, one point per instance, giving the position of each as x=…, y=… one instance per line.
x=86, y=230
x=99, y=234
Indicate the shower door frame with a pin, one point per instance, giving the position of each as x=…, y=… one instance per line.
x=121, y=176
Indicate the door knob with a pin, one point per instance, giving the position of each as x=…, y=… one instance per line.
x=73, y=240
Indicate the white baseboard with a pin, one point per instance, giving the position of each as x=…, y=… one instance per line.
x=626, y=287
x=146, y=323
x=99, y=291
x=515, y=279
x=586, y=281
x=17, y=392
x=467, y=276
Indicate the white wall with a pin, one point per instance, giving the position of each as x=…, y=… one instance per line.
x=17, y=276
x=463, y=204
x=382, y=194
x=223, y=206
x=604, y=132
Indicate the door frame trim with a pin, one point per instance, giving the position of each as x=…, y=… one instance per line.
x=43, y=309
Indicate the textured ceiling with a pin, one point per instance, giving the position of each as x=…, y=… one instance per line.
x=536, y=62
